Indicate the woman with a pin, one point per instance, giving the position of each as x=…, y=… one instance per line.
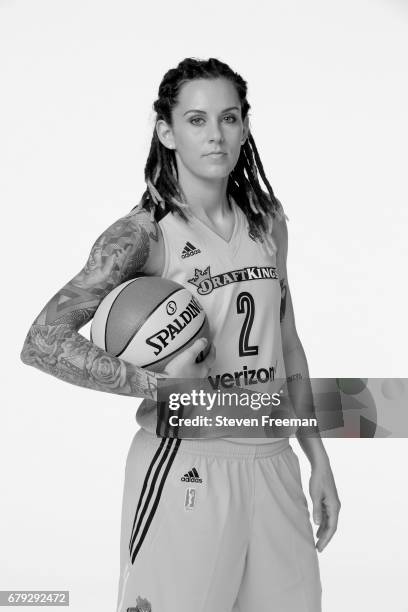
x=211, y=524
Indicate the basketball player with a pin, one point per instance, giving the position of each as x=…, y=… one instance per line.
x=221, y=524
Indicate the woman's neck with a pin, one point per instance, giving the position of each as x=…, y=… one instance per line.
x=207, y=198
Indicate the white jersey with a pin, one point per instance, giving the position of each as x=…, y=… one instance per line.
x=237, y=284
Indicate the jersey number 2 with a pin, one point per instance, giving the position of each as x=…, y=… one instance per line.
x=246, y=306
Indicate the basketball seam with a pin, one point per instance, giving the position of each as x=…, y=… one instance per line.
x=143, y=321
x=110, y=310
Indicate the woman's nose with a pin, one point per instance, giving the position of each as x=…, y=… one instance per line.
x=215, y=133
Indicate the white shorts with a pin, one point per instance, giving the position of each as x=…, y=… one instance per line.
x=210, y=526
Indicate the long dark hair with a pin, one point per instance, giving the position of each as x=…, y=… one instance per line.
x=163, y=192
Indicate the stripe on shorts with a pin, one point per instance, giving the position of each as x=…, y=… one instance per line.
x=166, y=460
x=146, y=480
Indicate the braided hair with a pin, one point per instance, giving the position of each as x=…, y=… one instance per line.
x=163, y=193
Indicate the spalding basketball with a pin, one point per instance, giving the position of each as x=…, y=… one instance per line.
x=148, y=320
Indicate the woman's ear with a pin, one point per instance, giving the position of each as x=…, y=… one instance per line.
x=245, y=130
x=165, y=134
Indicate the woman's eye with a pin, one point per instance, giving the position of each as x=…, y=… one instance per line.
x=198, y=120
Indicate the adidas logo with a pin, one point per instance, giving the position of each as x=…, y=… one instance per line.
x=189, y=250
x=191, y=476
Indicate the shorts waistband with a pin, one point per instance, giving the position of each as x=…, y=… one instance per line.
x=220, y=447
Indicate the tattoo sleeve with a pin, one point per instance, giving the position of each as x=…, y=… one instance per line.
x=53, y=343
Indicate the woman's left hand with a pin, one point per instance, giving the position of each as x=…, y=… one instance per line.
x=326, y=503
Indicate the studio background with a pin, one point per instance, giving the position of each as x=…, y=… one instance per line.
x=328, y=90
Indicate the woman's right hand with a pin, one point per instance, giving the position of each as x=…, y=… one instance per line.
x=184, y=364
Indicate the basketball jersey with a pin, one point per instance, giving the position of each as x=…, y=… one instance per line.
x=237, y=283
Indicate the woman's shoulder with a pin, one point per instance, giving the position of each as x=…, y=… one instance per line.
x=143, y=226
x=280, y=228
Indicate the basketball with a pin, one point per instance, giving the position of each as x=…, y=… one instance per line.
x=147, y=321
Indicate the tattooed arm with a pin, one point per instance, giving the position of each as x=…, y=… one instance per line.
x=53, y=343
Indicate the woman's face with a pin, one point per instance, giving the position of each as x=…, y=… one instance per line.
x=207, y=131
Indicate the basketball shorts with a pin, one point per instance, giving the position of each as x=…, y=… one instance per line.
x=211, y=526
